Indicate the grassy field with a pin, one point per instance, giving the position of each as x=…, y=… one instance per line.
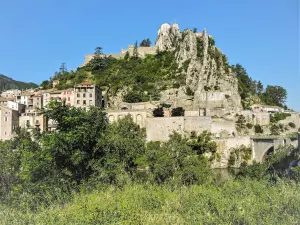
x=234, y=202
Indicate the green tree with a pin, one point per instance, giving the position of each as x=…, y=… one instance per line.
x=45, y=84
x=145, y=43
x=121, y=146
x=158, y=112
x=203, y=143
x=135, y=50
x=275, y=95
x=259, y=88
x=179, y=111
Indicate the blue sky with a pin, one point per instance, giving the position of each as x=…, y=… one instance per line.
x=36, y=36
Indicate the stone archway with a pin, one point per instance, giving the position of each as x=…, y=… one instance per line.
x=111, y=119
x=139, y=120
x=267, y=153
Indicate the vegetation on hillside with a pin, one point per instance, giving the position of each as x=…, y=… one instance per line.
x=145, y=78
x=7, y=83
x=253, y=91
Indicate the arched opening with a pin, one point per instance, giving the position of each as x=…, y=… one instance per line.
x=111, y=118
x=139, y=120
x=268, y=154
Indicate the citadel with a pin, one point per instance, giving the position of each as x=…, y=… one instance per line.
x=215, y=105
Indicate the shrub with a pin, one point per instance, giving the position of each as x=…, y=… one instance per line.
x=258, y=129
x=292, y=125
x=158, y=112
x=275, y=129
x=179, y=111
x=274, y=118
x=165, y=105
x=249, y=125
x=189, y=91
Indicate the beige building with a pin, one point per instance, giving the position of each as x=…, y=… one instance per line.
x=10, y=93
x=87, y=95
x=9, y=121
x=267, y=108
x=33, y=121
x=68, y=96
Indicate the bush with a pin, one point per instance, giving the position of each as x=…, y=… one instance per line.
x=249, y=125
x=275, y=129
x=158, y=112
x=274, y=118
x=179, y=111
x=292, y=125
x=258, y=129
x=189, y=92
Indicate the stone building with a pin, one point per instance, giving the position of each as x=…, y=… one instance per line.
x=16, y=106
x=86, y=95
x=68, y=96
x=33, y=121
x=23, y=98
x=267, y=108
x=10, y=93
x=9, y=121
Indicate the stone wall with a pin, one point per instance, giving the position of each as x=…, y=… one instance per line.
x=256, y=118
x=138, y=117
x=225, y=146
x=223, y=128
x=142, y=51
x=160, y=128
x=191, y=113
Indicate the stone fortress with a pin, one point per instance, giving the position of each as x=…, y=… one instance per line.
x=212, y=109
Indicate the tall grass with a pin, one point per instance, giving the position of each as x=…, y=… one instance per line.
x=234, y=202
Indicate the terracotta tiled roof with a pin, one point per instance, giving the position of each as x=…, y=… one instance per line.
x=87, y=83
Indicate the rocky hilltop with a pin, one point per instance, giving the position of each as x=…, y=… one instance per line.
x=209, y=78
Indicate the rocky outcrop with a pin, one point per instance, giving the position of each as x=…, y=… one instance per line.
x=208, y=76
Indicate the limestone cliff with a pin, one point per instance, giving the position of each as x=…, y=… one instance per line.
x=209, y=79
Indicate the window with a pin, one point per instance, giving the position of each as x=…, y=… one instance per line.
x=5, y=133
x=91, y=102
x=91, y=95
x=78, y=102
x=78, y=95
x=69, y=99
x=84, y=95
x=84, y=102
x=6, y=119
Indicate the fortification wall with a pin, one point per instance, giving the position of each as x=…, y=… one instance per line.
x=191, y=113
x=138, y=117
x=160, y=128
x=225, y=146
x=142, y=51
x=223, y=128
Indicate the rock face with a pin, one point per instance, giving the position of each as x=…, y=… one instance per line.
x=210, y=82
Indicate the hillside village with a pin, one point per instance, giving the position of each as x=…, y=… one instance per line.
x=23, y=108
x=213, y=103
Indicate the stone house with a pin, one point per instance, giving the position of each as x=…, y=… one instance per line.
x=267, y=108
x=86, y=95
x=10, y=93
x=9, y=121
x=68, y=96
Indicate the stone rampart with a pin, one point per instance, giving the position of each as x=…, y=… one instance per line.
x=160, y=128
x=223, y=128
x=142, y=51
